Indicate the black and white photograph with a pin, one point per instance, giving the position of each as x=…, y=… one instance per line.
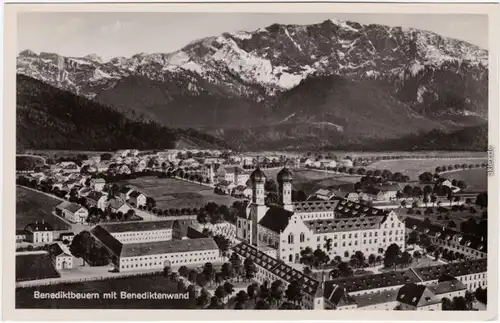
x=327, y=161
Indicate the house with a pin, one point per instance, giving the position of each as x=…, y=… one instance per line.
x=102, y=167
x=72, y=211
x=66, y=236
x=449, y=287
x=134, y=232
x=123, y=169
x=345, y=163
x=62, y=257
x=125, y=192
x=39, y=232
x=327, y=163
x=97, y=184
x=69, y=167
x=84, y=191
x=224, y=187
x=324, y=194
x=118, y=205
x=242, y=190
x=413, y=297
x=137, y=199
x=140, y=256
x=388, y=192
x=97, y=199
x=20, y=235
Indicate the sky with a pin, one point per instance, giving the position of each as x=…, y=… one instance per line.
x=125, y=34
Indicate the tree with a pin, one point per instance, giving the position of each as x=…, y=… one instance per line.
x=413, y=238
x=469, y=299
x=437, y=254
x=481, y=295
x=239, y=306
x=459, y=304
x=201, y=280
x=236, y=264
x=252, y=291
x=391, y=255
x=446, y=304
x=242, y=297
x=417, y=255
x=426, y=177
x=250, y=268
x=307, y=271
x=360, y=257
x=203, y=299
x=433, y=199
x=209, y=272
x=229, y=288
x=220, y=292
x=482, y=200
x=227, y=270
x=183, y=271
x=262, y=305
x=406, y=258
x=276, y=292
x=371, y=259
x=215, y=303
x=294, y=292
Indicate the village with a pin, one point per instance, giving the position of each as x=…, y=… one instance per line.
x=263, y=231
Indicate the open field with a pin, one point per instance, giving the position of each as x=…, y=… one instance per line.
x=33, y=206
x=310, y=180
x=413, y=168
x=137, y=284
x=476, y=178
x=172, y=193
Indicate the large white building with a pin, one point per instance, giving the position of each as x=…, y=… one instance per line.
x=136, y=232
x=159, y=254
x=72, y=211
x=339, y=227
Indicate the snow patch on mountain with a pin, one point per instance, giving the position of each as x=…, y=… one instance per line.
x=293, y=41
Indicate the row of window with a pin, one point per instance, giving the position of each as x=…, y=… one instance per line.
x=180, y=261
x=143, y=233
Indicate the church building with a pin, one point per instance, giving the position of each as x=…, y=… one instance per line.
x=338, y=227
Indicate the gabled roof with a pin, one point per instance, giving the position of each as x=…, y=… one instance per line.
x=98, y=180
x=342, y=225
x=95, y=196
x=135, y=194
x=447, y=286
x=166, y=247
x=38, y=226
x=395, y=278
x=280, y=269
x=314, y=206
x=416, y=295
x=444, y=233
x=116, y=203
x=457, y=269
x=324, y=192
x=124, y=190
x=337, y=296
x=72, y=207
x=276, y=219
x=350, y=209
x=137, y=226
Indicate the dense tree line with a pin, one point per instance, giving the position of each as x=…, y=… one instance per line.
x=49, y=118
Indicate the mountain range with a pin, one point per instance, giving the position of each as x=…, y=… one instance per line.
x=289, y=86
